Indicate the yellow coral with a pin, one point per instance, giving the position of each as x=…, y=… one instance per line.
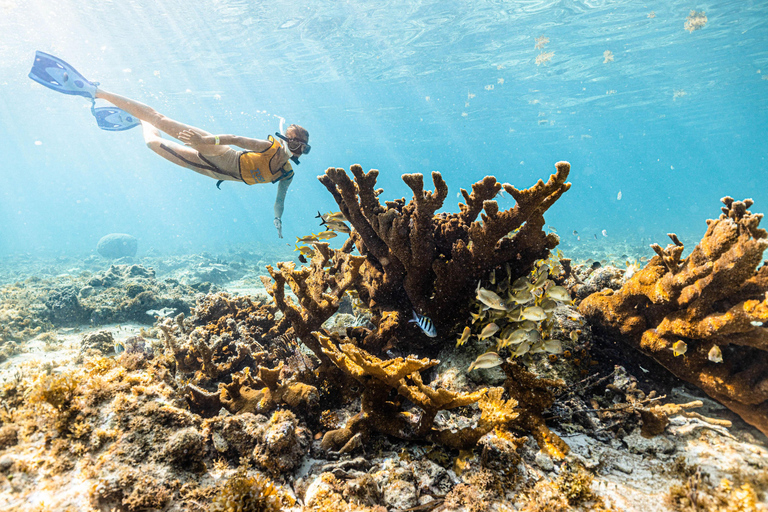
x=244, y=493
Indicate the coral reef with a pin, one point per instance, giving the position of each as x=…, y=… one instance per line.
x=224, y=339
x=402, y=375
x=713, y=303
x=418, y=261
x=413, y=260
x=533, y=396
x=122, y=293
x=248, y=493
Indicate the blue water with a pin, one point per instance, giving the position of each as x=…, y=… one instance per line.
x=677, y=120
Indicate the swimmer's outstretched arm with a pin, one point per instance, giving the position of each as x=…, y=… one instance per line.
x=193, y=138
x=282, y=188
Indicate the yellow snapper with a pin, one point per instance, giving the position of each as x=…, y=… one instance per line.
x=337, y=216
x=679, y=348
x=520, y=283
x=325, y=235
x=488, y=331
x=715, y=354
x=534, y=336
x=522, y=349
x=487, y=360
x=489, y=298
x=522, y=296
x=558, y=293
x=306, y=251
x=553, y=346
x=548, y=305
x=305, y=239
x=541, y=278
x=515, y=314
x=337, y=226
x=464, y=337
x=516, y=337
x=534, y=313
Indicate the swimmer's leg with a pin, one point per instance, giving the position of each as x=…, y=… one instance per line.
x=179, y=154
x=166, y=124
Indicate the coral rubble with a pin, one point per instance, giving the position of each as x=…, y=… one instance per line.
x=714, y=301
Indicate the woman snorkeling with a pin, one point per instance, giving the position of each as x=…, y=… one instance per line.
x=259, y=161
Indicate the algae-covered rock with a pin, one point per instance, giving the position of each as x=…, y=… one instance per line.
x=103, y=341
x=64, y=308
x=117, y=245
x=185, y=448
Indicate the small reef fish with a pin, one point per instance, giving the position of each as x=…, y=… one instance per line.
x=515, y=314
x=534, y=336
x=521, y=297
x=715, y=354
x=325, y=235
x=548, y=305
x=488, y=331
x=464, y=336
x=337, y=216
x=542, y=277
x=574, y=335
x=489, y=298
x=522, y=349
x=604, y=232
x=306, y=239
x=679, y=348
x=487, y=360
x=119, y=347
x=558, y=293
x=534, y=313
x=304, y=250
x=520, y=284
x=516, y=337
x=553, y=346
x=618, y=196
x=425, y=324
x=336, y=225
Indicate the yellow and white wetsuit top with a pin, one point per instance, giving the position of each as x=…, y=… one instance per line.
x=255, y=167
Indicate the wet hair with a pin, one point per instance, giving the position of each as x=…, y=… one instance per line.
x=299, y=132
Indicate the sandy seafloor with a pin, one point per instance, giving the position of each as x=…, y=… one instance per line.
x=42, y=469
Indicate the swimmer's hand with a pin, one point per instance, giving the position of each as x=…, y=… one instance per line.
x=279, y=226
x=192, y=138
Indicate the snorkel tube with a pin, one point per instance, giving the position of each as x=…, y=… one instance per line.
x=304, y=150
x=294, y=159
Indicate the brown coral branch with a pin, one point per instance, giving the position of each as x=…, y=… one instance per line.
x=318, y=289
x=714, y=297
x=379, y=378
x=534, y=395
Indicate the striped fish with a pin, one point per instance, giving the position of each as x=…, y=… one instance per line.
x=425, y=324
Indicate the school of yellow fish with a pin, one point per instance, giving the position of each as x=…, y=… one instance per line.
x=333, y=222
x=517, y=314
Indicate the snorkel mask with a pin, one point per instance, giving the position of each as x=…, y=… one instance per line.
x=302, y=147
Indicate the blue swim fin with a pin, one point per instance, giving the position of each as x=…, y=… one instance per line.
x=114, y=119
x=56, y=74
